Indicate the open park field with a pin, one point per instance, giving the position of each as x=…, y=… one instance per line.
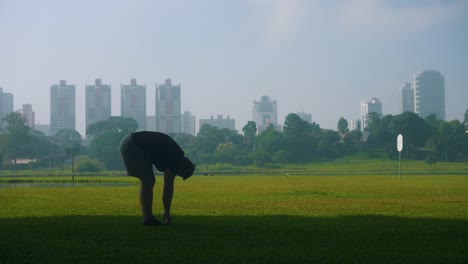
x=244, y=219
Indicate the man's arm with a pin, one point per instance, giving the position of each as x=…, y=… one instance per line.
x=168, y=192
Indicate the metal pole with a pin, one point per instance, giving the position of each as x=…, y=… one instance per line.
x=399, y=164
x=399, y=148
x=73, y=170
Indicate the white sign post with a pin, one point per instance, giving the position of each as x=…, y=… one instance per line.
x=399, y=148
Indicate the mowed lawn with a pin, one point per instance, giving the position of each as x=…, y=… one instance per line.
x=244, y=219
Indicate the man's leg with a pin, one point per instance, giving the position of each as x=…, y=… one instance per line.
x=146, y=197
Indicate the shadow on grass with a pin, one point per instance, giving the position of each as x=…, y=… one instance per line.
x=234, y=239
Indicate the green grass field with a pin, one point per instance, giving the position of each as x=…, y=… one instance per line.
x=244, y=219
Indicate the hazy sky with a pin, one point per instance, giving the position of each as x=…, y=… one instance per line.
x=319, y=57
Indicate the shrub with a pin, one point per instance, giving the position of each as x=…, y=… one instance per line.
x=89, y=165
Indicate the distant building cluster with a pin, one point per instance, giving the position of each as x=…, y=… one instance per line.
x=168, y=116
x=424, y=96
x=219, y=122
x=427, y=95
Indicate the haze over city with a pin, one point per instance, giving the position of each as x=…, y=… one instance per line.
x=318, y=57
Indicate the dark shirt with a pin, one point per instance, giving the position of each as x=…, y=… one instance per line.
x=162, y=149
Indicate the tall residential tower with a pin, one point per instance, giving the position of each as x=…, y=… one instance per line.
x=168, y=108
x=429, y=94
x=188, y=124
x=62, y=107
x=133, y=102
x=265, y=113
x=6, y=105
x=407, y=98
x=98, y=102
x=28, y=115
x=373, y=106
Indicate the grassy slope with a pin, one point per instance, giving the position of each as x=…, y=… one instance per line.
x=244, y=219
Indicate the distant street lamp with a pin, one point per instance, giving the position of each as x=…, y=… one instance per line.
x=72, y=152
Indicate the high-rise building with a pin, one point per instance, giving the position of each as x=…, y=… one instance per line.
x=2, y=115
x=429, y=94
x=6, y=105
x=28, y=115
x=373, y=106
x=355, y=124
x=62, y=107
x=98, y=102
x=407, y=98
x=7, y=102
x=133, y=102
x=44, y=128
x=265, y=113
x=306, y=117
x=188, y=123
x=168, y=108
x=151, y=123
x=219, y=122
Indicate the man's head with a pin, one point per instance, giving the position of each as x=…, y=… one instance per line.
x=186, y=168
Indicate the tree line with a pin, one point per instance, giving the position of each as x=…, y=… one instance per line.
x=427, y=139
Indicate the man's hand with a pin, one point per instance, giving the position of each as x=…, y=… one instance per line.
x=167, y=218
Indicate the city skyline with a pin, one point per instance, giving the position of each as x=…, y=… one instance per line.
x=317, y=57
x=374, y=105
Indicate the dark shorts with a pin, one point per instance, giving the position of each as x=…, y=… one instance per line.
x=138, y=163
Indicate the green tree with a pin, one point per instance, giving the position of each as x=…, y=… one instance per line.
x=124, y=125
x=373, y=121
x=105, y=137
x=343, y=126
x=431, y=159
x=45, y=150
x=16, y=139
x=208, y=139
x=243, y=159
x=250, y=130
x=20, y=141
x=466, y=119
x=187, y=143
x=299, y=139
x=89, y=165
x=282, y=156
x=206, y=158
x=262, y=157
x=269, y=141
x=68, y=140
x=232, y=136
x=106, y=148
x=326, y=144
x=380, y=134
x=295, y=125
x=450, y=141
x=226, y=152
x=415, y=132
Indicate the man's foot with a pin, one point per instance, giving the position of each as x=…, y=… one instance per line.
x=152, y=222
